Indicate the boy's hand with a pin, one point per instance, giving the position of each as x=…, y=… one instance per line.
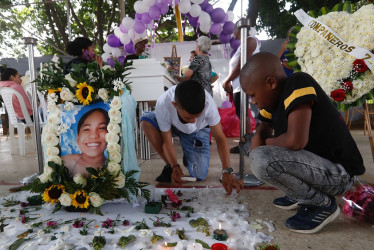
x=229, y=181
x=176, y=175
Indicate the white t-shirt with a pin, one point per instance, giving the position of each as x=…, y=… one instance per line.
x=167, y=116
x=235, y=60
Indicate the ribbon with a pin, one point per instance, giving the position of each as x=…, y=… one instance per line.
x=330, y=36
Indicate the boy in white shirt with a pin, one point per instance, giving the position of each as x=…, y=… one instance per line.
x=188, y=111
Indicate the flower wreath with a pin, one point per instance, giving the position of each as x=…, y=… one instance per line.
x=347, y=80
x=85, y=84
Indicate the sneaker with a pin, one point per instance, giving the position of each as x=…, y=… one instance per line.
x=285, y=203
x=235, y=150
x=165, y=175
x=311, y=219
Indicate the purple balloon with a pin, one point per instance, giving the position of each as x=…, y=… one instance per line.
x=208, y=9
x=215, y=28
x=164, y=9
x=159, y=3
x=204, y=4
x=218, y=15
x=232, y=53
x=226, y=18
x=111, y=62
x=113, y=41
x=130, y=48
x=146, y=19
x=224, y=38
x=139, y=27
x=154, y=12
x=138, y=16
x=228, y=28
x=121, y=59
x=123, y=28
x=169, y=2
x=234, y=44
x=193, y=21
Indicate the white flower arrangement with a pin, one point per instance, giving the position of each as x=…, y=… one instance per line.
x=330, y=66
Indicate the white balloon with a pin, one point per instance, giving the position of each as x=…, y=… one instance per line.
x=230, y=16
x=107, y=48
x=128, y=22
x=195, y=10
x=140, y=7
x=184, y=6
x=197, y=1
x=149, y=3
x=205, y=19
x=116, y=52
x=131, y=33
x=105, y=56
x=117, y=32
x=125, y=39
x=204, y=28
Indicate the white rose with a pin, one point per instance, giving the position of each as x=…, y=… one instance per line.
x=79, y=179
x=111, y=138
x=115, y=156
x=113, y=147
x=66, y=228
x=66, y=94
x=55, y=158
x=49, y=129
x=113, y=168
x=144, y=232
x=103, y=94
x=96, y=199
x=53, y=108
x=54, y=119
x=69, y=106
x=47, y=170
x=53, y=151
x=65, y=199
x=44, y=178
x=71, y=81
x=105, y=67
x=113, y=128
x=115, y=115
x=51, y=140
x=116, y=103
x=40, y=232
x=120, y=180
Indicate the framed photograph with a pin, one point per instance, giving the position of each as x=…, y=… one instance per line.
x=173, y=65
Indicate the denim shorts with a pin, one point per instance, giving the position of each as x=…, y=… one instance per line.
x=195, y=146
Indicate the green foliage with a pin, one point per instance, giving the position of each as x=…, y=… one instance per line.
x=125, y=240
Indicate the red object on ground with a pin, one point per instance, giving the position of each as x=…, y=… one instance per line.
x=231, y=123
x=219, y=246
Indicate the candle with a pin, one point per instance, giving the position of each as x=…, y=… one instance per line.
x=165, y=247
x=219, y=246
x=220, y=234
x=195, y=246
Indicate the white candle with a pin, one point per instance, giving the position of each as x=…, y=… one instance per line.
x=165, y=247
x=195, y=246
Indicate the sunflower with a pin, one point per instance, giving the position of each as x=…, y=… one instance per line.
x=80, y=199
x=57, y=91
x=52, y=193
x=84, y=92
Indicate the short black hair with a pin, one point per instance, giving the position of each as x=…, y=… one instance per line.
x=84, y=117
x=190, y=95
x=6, y=73
x=75, y=47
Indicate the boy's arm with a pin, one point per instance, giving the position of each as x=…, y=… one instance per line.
x=263, y=131
x=297, y=135
x=170, y=154
x=229, y=181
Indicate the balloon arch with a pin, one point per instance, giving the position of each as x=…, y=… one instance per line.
x=200, y=15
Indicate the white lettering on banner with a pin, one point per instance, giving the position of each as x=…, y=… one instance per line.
x=329, y=35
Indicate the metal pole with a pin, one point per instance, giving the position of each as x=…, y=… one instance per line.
x=30, y=42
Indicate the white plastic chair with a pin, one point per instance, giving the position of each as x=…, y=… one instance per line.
x=42, y=102
x=7, y=95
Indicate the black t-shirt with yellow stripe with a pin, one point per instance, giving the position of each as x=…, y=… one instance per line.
x=329, y=136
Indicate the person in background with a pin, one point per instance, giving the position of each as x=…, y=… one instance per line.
x=232, y=82
x=11, y=78
x=83, y=50
x=282, y=55
x=139, y=45
x=213, y=75
x=294, y=149
x=200, y=68
x=189, y=112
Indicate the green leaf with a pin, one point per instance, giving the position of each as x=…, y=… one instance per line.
x=312, y=13
x=347, y=7
x=92, y=171
x=337, y=7
x=324, y=11
x=15, y=245
x=205, y=245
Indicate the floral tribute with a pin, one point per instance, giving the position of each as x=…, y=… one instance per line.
x=359, y=202
x=346, y=79
x=85, y=84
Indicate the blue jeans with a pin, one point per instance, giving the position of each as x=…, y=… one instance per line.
x=303, y=176
x=195, y=146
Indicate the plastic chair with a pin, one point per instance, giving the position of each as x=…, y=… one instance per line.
x=7, y=95
x=43, y=112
